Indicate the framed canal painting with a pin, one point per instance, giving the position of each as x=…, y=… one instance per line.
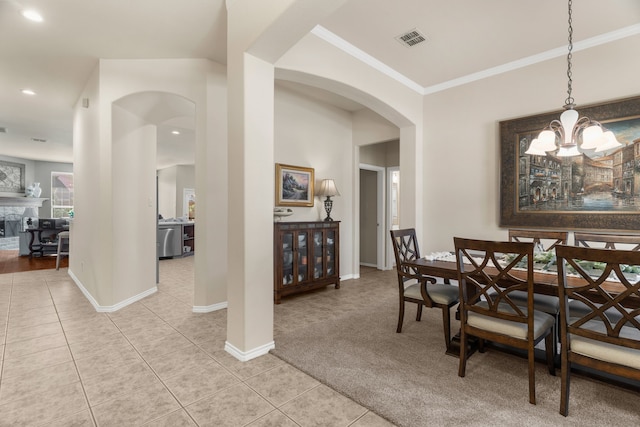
x=294, y=185
x=592, y=190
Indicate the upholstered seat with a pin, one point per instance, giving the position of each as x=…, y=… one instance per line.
x=439, y=293
x=541, y=322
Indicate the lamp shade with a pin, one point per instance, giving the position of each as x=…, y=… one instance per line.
x=30, y=212
x=328, y=188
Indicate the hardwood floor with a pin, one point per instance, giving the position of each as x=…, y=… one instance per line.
x=10, y=262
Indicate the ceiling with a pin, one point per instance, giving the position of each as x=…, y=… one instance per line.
x=465, y=40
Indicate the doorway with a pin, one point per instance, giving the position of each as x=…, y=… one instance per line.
x=372, y=216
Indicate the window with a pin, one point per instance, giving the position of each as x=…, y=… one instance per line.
x=61, y=194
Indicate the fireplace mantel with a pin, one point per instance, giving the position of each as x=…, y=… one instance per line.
x=25, y=202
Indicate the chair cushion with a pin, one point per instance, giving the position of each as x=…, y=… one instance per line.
x=604, y=351
x=541, y=322
x=439, y=293
x=546, y=303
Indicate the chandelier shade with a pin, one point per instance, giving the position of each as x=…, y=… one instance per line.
x=572, y=134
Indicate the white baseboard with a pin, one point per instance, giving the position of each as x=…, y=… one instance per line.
x=245, y=356
x=210, y=308
x=109, y=308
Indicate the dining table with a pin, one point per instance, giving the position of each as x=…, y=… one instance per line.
x=545, y=282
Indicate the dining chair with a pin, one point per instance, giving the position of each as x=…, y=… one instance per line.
x=419, y=289
x=63, y=247
x=488, y=274
x=545, y=241
x=605, y=336
x=607, y=241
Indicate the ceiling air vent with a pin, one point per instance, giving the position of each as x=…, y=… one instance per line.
x=411, y=38
x=38, y=140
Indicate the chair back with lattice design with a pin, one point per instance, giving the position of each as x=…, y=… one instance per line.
x=547, y=240
x=405, y=248
x=488, y=272
x=607, y=283
x=607, y=241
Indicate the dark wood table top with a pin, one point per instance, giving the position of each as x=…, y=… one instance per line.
x=544, y=282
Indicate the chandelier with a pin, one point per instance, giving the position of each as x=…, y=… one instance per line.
x=571, y=131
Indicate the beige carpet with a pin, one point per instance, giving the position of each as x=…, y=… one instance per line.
x=407, y=378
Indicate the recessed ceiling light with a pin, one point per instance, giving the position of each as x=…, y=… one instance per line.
x=32, y=15
x=175, y=132
x=28, y=92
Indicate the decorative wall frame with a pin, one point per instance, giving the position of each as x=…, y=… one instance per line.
x=590, y=191
x=11, y=177
x=294, y=185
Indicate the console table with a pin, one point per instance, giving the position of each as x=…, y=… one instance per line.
x=47, y=243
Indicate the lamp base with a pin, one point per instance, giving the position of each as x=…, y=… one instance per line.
x=328, y=204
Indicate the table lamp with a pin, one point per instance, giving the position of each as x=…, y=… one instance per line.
x=29, y=213
x=328, y=188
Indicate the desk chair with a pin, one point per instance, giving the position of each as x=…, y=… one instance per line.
x=487, y=310
x=605, y=335
x=63, y=247
x=416, y=288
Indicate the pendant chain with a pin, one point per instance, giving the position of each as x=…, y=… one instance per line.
x=569, y=102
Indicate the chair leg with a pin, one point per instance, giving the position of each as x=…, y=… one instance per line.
x=564, y=386
x=400, y=316
x=419, y=313
x=446, y=322
x=532, y=374
x=58, y=254
x=549, y=347
x=463, y=353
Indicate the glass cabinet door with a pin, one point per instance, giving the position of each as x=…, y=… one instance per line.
x=331, y=252
x=303, y=251
x=318, y=270
x=287, y=258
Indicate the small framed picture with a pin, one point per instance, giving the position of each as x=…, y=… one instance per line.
x=294, y=185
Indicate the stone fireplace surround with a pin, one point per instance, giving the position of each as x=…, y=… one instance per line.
x=11, y=211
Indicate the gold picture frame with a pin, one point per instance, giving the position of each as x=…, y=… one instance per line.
x=294, y=185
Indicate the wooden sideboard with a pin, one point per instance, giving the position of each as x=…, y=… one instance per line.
x=306, y=257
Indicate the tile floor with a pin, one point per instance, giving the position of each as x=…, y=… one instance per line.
x=153, y=363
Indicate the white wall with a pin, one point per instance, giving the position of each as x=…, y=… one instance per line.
x=185, y=178
x=167, y=192
x=171, y=184
x=313, y=134
x=102, y=201
x=461, y=157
